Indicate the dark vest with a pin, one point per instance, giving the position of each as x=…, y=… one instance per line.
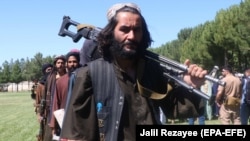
x=109, y=98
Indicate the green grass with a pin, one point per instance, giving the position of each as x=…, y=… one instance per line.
x=17, y=117
x=18, y=120
x=185, y=122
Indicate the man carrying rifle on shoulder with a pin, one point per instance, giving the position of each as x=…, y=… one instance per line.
x=123, y=88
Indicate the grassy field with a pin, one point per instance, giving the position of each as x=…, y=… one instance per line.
x=17, y=117
x=18, y=121
x=207, y=122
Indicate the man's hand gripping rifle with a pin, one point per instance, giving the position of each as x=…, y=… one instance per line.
x=171, y=67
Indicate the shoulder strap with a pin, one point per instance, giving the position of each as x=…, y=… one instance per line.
x=146, y=91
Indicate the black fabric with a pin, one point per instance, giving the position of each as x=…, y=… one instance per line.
x=248, y=90
x=45, y=66
x=44, y=78
x=180, y=103
x=89, y=52
x=76, y=54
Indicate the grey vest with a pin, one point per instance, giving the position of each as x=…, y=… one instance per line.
x=109, y=98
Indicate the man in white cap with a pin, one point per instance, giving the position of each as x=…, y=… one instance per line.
x=113, y=94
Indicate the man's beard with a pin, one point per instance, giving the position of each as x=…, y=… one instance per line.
x=71, y=69
x=60, y=70
x=117, y=49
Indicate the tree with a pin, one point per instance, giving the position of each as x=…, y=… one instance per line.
x=16, y=73
x=5, y=73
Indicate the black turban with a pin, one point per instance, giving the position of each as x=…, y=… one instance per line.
x=45, y=66
x=74, y=52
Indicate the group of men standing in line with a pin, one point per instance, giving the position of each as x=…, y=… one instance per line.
x=118, y=91
x=45, y=96
x=52, y=89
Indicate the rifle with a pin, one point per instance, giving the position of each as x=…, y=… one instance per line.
x=90, y=32
x=40, y=136
x=170, y=66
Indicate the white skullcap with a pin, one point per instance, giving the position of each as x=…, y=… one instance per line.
x=112, y=10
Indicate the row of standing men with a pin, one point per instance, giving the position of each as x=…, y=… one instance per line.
x=122, y=89
x=52, y=88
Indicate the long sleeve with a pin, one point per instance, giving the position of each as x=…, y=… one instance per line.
x=55, y=107
x=60, y=95
x=80, y=121
x=39, y=91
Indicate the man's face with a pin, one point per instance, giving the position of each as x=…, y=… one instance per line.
x=60, y=65
x=247, y=73
x=127, y=34
x=72, y=63
x=224, y=72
